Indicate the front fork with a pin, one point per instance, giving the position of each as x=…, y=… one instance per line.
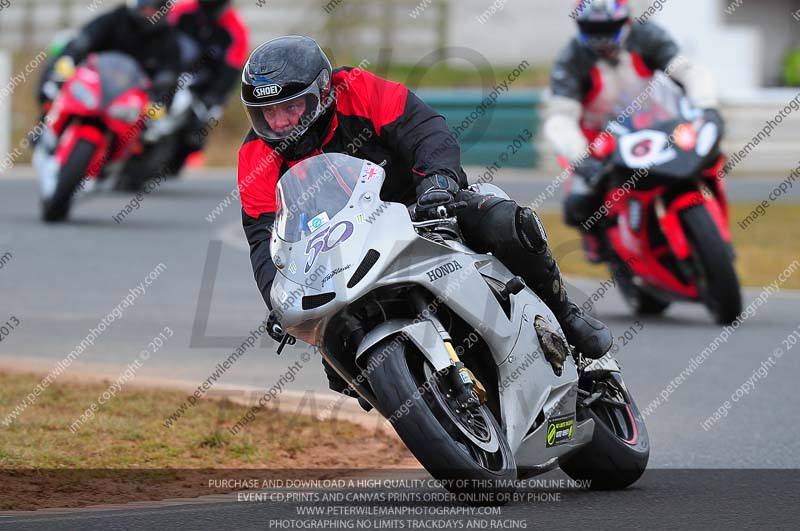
x=470, y=393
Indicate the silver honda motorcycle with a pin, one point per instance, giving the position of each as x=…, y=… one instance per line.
x=468, y=364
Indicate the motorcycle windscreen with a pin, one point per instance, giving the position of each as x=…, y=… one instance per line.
x=659, y=100
x=659, y=135
x=312, y=192
x=118, y=74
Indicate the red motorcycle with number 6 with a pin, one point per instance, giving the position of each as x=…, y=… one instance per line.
x=667, y=220
x=93, y=123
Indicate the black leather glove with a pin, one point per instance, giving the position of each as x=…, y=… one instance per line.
x=274, y=328
x=713, y=116
x=436, y=197
x=591, y=171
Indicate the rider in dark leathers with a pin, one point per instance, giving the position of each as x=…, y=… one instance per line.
x=610, y=54
x=299, y=107
x=138, y=29
x=222, y=38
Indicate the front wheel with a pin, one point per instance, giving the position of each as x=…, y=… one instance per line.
x=620, y=448
x=450, y=442
x=56, y=206
x=716, y=276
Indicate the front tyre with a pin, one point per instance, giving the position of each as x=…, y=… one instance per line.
x=620, y=448
x=716, y=276
x=56, y=207
x=451, y=444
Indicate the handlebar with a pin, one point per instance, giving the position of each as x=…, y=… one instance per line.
x=435, y=223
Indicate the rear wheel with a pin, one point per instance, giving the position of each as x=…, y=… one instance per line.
x=620, y=448
x=56, y=207
x=450, y=442
x=639, y=301
x=716, y=277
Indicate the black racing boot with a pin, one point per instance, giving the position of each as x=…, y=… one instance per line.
x=591, y=337
x=516, y=236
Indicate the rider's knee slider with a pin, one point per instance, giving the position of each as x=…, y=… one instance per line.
x=530, y=230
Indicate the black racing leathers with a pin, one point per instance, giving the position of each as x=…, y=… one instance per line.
x=223, y=41
x=153, y=46
x=386, y=123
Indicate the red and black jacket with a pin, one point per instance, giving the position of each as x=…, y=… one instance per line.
x=574, y=74
x=376, y=120
x=122, y=31
x=224, y=42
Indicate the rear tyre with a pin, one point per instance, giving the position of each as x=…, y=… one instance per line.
x=620, y=447
x=716, y=277
x=639, y=301
x=451, y=445
x=56, y=207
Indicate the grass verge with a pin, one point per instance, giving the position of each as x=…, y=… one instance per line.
x=763, y=250
x=126, y=454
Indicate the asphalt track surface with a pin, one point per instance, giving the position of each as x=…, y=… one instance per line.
x=61, y=281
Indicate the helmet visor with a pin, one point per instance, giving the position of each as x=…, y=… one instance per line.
x=604, y=38
x=604, y=28
x=287, y=118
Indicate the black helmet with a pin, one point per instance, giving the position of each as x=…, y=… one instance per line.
x=289, y=78
x=149, y=14
x=603, y=25
x=214, y=8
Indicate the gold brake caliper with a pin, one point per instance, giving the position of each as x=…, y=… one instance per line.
x=466, y=375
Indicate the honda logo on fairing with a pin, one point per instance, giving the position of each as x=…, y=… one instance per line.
x=441, y=271
x=267, y=91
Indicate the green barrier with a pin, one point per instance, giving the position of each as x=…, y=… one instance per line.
x=500, y=132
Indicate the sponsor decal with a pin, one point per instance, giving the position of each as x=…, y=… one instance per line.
x=335, y=272
x=316, y=223
x=559, y=430
x=361, y=219
x=293, y=268
x=444, y=270
x=267, y=91
x=369, y=171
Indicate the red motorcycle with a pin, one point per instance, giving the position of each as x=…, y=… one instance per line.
x=93, y=124
x=667, y=214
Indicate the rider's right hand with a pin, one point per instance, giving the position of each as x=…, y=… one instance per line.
x=436, y=198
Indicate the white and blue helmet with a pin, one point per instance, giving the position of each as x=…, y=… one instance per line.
x=604, y=25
